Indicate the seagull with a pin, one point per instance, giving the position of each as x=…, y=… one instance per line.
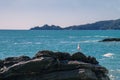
x=78, y=47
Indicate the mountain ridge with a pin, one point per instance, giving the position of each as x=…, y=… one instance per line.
x=99, y=25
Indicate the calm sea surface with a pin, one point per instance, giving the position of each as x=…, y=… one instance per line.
x=24, y=42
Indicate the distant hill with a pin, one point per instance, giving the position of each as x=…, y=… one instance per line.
x=100, y=25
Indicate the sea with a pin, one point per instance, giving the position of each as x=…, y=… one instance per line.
x=29, y=42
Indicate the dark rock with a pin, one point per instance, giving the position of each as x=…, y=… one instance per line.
x=18, y=59
x=110, y=39
x=92, y=60
x=23, y=58
x=62, y=56
x=79, y=56
x=1, y=64
x=48, y=65
x=45, y=53
x=58, y=55
x=13, y=60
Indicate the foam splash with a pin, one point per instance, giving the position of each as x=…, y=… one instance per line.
x=86, y=41
x=114, y=74
x=89, y=41
x=108, y=55
x=38, y=43
x=43, y=36
x=23, y=43
x=71, y=37
x=112, y=77
x=96, y=36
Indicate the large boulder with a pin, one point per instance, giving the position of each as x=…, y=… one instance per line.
x=58, y=55
x=45, y=53
x=12, y=60
x=92, y=60
x=36, y=66
x=62, y=55
x=48, y=65
x=79, y=56
x=46, y=68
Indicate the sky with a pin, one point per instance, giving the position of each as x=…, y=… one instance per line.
x=24, y=14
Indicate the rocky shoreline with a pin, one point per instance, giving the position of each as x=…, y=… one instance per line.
x=49, y=65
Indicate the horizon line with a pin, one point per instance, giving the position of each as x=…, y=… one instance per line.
x=61, y=26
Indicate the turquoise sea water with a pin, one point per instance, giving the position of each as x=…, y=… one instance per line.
x=25, y=42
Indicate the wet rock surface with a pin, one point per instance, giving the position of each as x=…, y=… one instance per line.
x=49, y=65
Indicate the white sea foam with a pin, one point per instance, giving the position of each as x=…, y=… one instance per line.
x=118, y=70
x=86, y=36
x=43, y=36
x=111, y=70
x=96, y=36
x=114, y=74
x=108, y=55
x=101, y=36
x=23, y=43
x=63, y=42
x=89, y=41
x=71, y=37
x=38, y=43
x=86, y=41
x=112, y=77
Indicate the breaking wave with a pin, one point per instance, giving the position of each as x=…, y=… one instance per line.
x=108, y=55
x=96, y=36
x=23, y=43
x=86, y=41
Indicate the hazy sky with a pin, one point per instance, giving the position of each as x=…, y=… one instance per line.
x=24, y=14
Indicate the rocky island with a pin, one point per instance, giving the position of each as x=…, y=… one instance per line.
x=49, y=65
x=110, y=40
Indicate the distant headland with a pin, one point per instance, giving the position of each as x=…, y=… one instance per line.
x=100, y=25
